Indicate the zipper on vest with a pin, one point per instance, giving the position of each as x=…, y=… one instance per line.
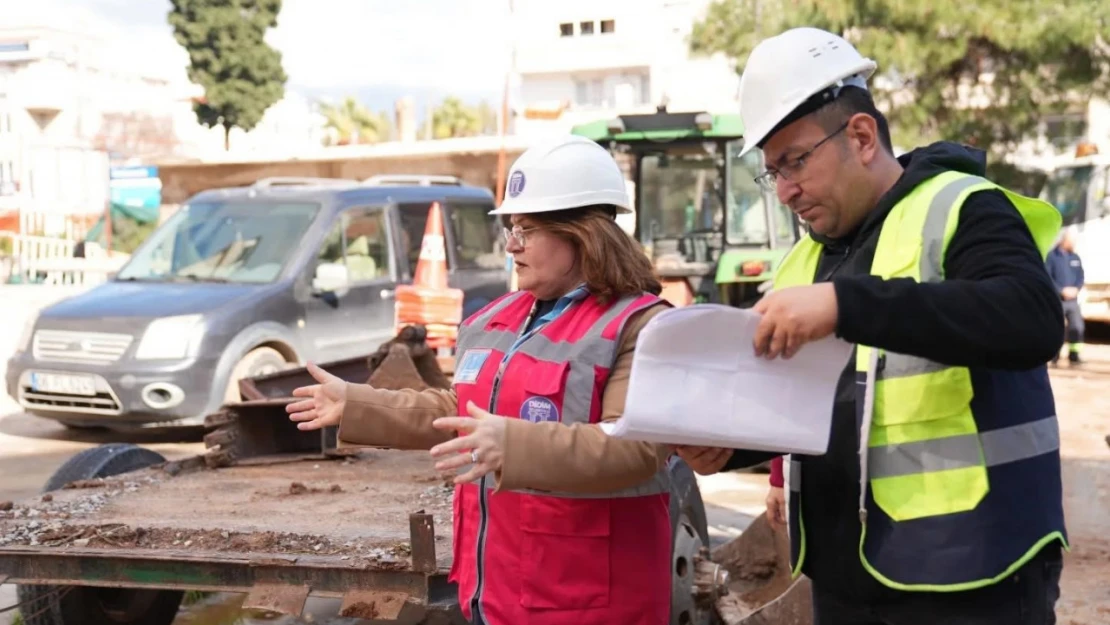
x=483, y=492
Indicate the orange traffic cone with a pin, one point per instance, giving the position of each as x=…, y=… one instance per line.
x=431, y=267
x=428, y=301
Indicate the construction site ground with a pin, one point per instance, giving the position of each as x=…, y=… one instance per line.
x=346, y=510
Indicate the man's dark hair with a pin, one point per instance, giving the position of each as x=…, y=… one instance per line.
x=853, y=100
x=831, y=108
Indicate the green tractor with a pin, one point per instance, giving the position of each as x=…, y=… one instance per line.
x=713, y=234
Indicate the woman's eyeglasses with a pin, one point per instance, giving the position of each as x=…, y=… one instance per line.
x=517, y=233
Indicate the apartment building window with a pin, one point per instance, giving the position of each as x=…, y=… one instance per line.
x=566, y=29
x=608, y=26
x=585, y=28
x=589, y=92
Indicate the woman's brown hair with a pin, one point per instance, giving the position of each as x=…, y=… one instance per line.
x=613, y=264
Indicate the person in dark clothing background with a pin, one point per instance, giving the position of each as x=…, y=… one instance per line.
x=1066, y=270
x=954, y=514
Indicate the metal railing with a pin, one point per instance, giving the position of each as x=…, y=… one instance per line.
x=424, y=180
x=301, y=181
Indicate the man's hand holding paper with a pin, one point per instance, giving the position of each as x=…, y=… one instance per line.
x=698, y=380
x=793, y=317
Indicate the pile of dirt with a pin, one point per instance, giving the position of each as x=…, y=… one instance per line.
x=298, y=488
x=382, y=606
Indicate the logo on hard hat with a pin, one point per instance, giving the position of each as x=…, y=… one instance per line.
x=516, y=183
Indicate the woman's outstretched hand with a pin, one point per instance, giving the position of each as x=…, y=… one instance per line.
x=325, y=402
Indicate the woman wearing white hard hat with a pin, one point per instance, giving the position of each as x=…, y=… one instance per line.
x=555, y=522
x=939, y=498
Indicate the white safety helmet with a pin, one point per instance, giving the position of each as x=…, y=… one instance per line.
x=786, y=70
x=565, y=172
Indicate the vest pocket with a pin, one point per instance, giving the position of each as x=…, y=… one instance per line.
x=925, y=458
x=542, y=398
x=564, y=555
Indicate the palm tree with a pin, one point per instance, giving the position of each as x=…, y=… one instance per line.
x=354, y=123
x=452, y=118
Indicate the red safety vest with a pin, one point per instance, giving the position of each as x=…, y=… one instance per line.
x=543, y=558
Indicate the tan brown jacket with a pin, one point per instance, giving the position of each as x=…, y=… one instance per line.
x=542, y=456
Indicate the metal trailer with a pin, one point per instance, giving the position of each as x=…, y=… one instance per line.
x=119, y=533
x=373, y=528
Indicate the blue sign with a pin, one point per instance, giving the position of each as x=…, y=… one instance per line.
x=131, y=173
x=471, y=365
x=137, y=186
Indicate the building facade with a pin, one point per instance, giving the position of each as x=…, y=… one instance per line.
x=577, y=61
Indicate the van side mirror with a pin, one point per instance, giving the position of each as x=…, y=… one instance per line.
x=331, y=278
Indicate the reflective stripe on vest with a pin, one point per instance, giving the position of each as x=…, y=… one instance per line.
x=592, y=351
x=922, y=453
x=920, y=411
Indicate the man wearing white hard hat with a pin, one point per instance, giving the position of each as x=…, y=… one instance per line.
x=939, y=498
x=554, y=521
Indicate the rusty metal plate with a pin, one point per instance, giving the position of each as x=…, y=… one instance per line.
x=423, y=540
x=372, y=604
x=281, y=598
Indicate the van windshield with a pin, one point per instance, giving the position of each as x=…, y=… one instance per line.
x=246, y=242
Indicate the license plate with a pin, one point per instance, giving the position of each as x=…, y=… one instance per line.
x=63, y=384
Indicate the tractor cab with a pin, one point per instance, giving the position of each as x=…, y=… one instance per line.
x=713, y=234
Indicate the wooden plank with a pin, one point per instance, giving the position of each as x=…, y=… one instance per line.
x=280, y=598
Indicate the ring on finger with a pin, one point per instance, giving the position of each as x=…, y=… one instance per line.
x=474, y=456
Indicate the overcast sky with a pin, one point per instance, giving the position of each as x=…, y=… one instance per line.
x=373, y=48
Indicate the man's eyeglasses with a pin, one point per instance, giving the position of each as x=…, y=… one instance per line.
x=518, y=234
x=793, y=167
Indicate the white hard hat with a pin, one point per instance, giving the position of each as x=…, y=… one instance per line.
x=568, y=171
x=786, y=70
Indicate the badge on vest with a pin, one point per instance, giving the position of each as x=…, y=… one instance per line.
x=538, y=409
x=471, y=365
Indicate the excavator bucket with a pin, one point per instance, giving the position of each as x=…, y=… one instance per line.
x=259, y=428
x=761, y=590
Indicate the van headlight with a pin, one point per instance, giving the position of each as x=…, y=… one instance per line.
x=28, y=331
x=170, y=338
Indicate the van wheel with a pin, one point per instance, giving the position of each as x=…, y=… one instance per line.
x=89, y=605
x=258, y=361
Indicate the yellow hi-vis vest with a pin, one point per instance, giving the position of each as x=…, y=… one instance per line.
x=923, y=455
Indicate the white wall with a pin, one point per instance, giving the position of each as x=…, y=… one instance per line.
x=644, y=61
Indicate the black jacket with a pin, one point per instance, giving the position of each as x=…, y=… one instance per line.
x=997, y=308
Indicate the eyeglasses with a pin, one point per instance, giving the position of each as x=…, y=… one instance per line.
x=518, y=233
x=792, y=169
